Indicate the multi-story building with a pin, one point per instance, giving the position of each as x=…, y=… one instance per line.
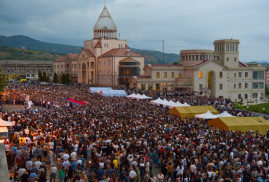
x=218, y=73
x=25, y=69
x=105, y=60
x=66, y=65
x=267, y=76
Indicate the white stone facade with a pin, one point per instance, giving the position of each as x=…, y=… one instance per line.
x=218, y=73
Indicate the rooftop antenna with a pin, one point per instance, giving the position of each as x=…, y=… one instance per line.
x=163, y=51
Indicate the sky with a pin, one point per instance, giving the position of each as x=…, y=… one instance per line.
x=182, y=24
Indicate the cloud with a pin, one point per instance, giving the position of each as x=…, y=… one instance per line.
x=183, y=24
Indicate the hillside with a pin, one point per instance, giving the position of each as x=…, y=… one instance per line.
x=151, y=57
x=20, y=41
x=7, y=53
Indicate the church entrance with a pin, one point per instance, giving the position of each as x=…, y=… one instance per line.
x=127, y=69
x=211, y=83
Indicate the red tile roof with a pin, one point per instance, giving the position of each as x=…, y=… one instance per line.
x=242, y=64
x=201, y=63
x=141, y=77
x=98, y=45
x=126, y=46
x=89, y=53
x=166, y=65
x=69, y=56
x=120, y=52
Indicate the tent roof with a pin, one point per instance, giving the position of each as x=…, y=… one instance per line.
x=241, y=124
x=207, y=115
x=191, y=111
x=4, y=123
x=224, y=114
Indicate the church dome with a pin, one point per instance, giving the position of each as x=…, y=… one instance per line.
x=105, y=26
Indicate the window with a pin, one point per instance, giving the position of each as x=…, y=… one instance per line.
x=179, y=75
x=165, y=75
x=220, y=74
x=227, y=47
x=33, y=75
x=172, y=74
x=157, y=86
x=92, y=65
x=200, y=74
x=258, y=75
x=246, y=85
x=196, y=57
x=258, y=85
x=234, y=58
x=239, y=96
x=200, y=87
x=193, y=57
x=227, y=58
x=158, y=75
x=240, y=74
x=234, y=74
x=239, y=85
x=220, y=86
x=234, y=85
x=246, y=74
x=255, y=95
x=246, y=96
x=28, y=75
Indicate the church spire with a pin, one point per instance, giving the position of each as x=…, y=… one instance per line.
x=105, y=26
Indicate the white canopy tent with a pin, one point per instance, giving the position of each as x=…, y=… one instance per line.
x=4, y=125
x=138, y=96
x=112, y=93
x=224, y=114
x=98, y=89
x=169, y=104
x=207, y=115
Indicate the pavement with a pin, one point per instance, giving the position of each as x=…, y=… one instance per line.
x=11, y=107
x=4, y=177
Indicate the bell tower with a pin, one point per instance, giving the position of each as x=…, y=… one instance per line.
x=226, y=52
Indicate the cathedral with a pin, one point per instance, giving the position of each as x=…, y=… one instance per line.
x=104, y=60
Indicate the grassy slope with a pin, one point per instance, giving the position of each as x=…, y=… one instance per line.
x=7, y=53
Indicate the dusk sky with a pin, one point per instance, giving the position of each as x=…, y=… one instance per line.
x=182, y=24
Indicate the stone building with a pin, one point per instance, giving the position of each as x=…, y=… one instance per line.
x=25, y=69
x=104, y=60
x=218, y=73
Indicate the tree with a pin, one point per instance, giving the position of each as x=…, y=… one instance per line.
x=45, y=77
x=63, y=78
x=266, y=90
x=55, y=78
x=40, y=76
x=3, y=82
x=67, y=78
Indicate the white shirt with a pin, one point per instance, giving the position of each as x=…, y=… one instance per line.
x=53, y=169
x=38, y=164
x=65, y=156
x=132, y=174
x=66, y=164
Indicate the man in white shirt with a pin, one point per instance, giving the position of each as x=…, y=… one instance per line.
x=132, y=174
x=66, y=164
x=53, y=172
x=37, y=164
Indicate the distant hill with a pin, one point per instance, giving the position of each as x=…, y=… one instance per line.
x=156, y=57
x=19, y=41
x=263, y=63
x=7, y=53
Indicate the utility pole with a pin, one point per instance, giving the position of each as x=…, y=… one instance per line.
x=163, y=51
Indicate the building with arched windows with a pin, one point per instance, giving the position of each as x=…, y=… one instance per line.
x=217, y=72
x=104, y=60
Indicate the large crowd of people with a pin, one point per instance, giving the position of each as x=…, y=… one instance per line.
x=120, y=139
